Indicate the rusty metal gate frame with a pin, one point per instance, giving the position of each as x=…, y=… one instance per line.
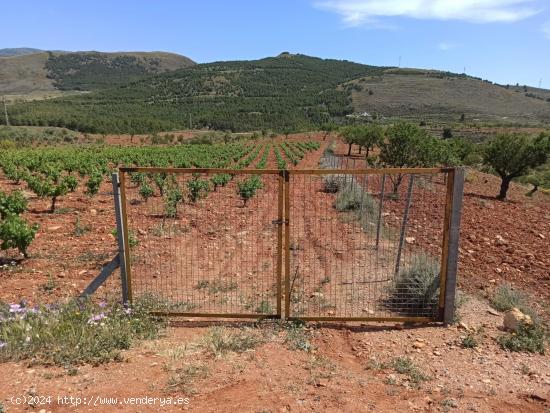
x=449, y=256
x=450, y=241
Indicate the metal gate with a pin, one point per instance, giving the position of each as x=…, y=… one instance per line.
x=355, y=245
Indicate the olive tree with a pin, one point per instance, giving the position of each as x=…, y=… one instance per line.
x=350, y=135
x=409, y=146
x=513, y=155
x=369, y=136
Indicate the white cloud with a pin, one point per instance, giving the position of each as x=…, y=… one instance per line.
x=546, y=29
x=360, y=12
x=446, y=46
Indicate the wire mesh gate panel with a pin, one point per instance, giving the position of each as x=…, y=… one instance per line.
x=331, y=244
x=204, y=242
x=367, y=245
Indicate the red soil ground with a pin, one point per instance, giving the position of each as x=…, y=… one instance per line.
x=501, y=241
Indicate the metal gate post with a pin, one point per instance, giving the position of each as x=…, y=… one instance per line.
x=120, y=237
x=287, y=244
x=452, y=244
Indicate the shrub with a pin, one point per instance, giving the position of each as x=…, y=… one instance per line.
x=349, y=198
x=331, y=184
x=247, y=188
x=145, y=190
x=506, y=298
x=197, y=188
x=94, y=182
x=220, y=180
x=529, y=338
x=15, y=204
x=416, y=289
x=15, y=232
x=172, y=198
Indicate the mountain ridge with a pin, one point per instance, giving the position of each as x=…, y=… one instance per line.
x=286, y=92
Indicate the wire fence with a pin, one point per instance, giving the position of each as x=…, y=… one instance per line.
x=364, y=245
x=202, y=243
x=309, y=244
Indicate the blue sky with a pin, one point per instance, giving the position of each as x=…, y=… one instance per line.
x=506, y=41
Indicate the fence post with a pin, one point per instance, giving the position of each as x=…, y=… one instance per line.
x=404, y=224
x=380, y=207
x=120, y=237
x=452, y=245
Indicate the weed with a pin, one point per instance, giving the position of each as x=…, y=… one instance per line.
x=132, y=239
x=49, y=285
x=376, y=365
x=297, y=337
x=392, y=381
x=320, y=367
x=528, y=338
x=74, y=333
x=216, y=286
x=404, y=365
x=220, y=341
x=264, y=307
x=183, y=377
x=469, y=341
x=506, y=298
x=524, y=369
x=79, y=229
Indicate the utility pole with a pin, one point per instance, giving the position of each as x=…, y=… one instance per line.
x=399, y=62
x=540, y=82
x=6, y=111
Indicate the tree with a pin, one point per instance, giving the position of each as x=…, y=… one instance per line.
x=409, y=146
x=539, y=177
x=350, y=136
x=369, y=136
x=513, y=155
x=327, y=128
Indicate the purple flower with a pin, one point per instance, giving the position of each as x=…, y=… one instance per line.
x=102, y=304
x=3, y=344
x=128, y=311
x=16, y=308
x=95, y=318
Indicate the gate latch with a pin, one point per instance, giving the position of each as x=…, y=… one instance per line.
x=279, y=221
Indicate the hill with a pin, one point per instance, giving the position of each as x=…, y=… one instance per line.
x=82, y=71
x=285, y=92
x=18, y=51
x=446, y=96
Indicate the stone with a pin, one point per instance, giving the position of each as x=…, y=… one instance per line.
x=93, y=211
x=410, y=240
x=463, y=326
x=514, y=318
x=500, y=240
x=419, y=345
x=54, y=228
x=142, y=232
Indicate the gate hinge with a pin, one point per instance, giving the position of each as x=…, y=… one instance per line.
x=279, y=221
